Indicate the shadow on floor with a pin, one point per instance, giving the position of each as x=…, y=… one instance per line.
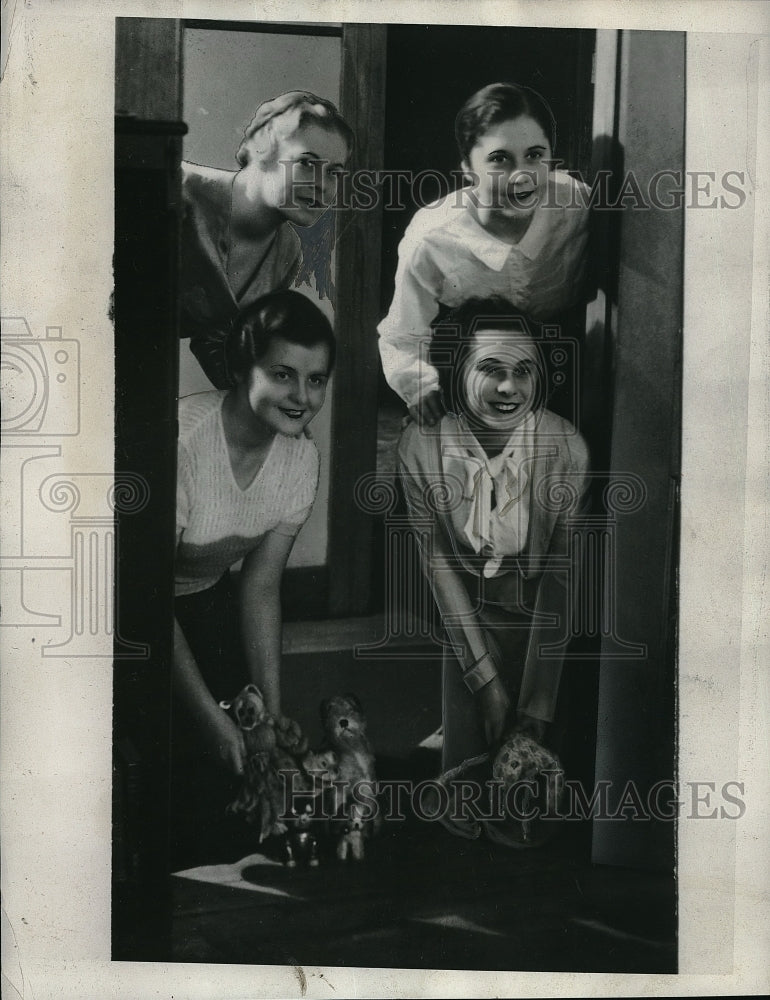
x=421, y=898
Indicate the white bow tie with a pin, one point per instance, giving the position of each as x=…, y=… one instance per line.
x=500, y=530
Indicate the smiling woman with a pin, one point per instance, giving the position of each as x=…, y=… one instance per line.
x=237, y=241
x=515, y=230
x=280, y=375
x=246, y=480
x=479, y=489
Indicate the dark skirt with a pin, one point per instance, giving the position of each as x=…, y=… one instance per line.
x=201, y=787
x=211, y=622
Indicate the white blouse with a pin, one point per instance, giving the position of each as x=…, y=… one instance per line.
x=217, y=521
x=446, y=257
x=492, y=518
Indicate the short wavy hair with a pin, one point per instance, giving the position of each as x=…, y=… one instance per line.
x=308, y=108
x=284, y=314
x=498, y=102
x=452, y=340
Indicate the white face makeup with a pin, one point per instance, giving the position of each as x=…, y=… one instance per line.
x=501, y=379
x=510, y=163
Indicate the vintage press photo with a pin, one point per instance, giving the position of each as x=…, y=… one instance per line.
x=416, y=566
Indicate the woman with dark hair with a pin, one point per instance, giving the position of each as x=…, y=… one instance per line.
x=246, y=481
x=237, y=237
x=490, y=492
x=518, y=229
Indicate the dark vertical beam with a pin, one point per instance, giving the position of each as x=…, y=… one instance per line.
x=148, y=135
x=579, y=156
x=637, y=696
x=354, y=414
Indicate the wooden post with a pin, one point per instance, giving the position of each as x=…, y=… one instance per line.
x=354, y=415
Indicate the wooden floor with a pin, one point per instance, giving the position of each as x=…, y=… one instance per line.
x=422, y=898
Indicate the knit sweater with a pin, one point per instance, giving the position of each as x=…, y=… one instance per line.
x=217, y=522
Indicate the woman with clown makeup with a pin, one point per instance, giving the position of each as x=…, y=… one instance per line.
x=491, y=490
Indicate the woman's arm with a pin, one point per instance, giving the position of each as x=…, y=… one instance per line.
x=542, y=673
x=218, y=729
x=457, y=611
x=260, y=603
x=405, y=335
x=461, y=622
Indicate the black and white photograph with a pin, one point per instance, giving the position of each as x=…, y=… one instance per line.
x=386, y=469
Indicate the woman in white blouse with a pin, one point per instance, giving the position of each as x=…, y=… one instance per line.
x=518, y=230
x=491, y=490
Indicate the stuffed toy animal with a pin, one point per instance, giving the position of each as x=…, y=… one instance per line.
x=322, y=767
x=523, y=759
x=249, y=712
x=274, y=748
x=287, y=757
x=344, y=726
x=289, y=738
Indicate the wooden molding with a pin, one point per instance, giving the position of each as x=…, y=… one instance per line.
x=354, y=417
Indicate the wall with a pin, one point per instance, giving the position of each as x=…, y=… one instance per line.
x=226, y=75
x=723, y=647
x=635, y=737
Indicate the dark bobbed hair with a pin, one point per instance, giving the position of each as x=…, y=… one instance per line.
x=284, y=314
x=499, y=102
x=452, y=339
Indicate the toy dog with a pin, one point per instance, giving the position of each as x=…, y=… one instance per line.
x=344, y=728
x=351, y=841
x=522, y=759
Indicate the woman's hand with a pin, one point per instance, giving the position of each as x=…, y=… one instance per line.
x=217, y=730
x=493, y=706
x=225, y=741
x=428, y=410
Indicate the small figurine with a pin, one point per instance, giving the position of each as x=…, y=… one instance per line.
x=300, y=845
x=351, y=841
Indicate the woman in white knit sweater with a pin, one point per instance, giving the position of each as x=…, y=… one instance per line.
x=247, y=477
